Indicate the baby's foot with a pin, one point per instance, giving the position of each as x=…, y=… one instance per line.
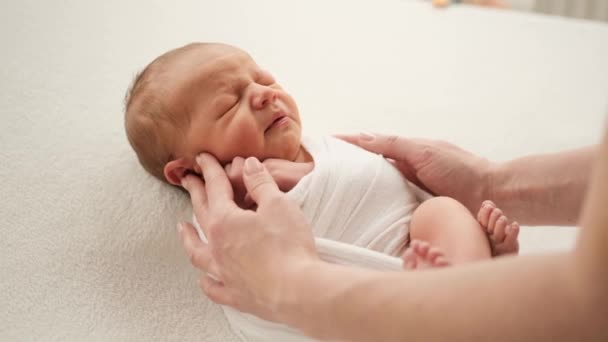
x=421, y=255
x=503, y=236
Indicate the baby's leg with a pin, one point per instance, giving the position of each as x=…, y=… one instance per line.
x=444, y=232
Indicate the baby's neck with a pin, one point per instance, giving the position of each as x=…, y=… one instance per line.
x=303, y=156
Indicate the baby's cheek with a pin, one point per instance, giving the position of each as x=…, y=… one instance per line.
x=248, y=139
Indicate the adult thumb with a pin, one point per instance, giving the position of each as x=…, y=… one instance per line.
x=259, y=183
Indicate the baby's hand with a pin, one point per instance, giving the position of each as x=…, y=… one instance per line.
x=285, y=173
x=234, y=171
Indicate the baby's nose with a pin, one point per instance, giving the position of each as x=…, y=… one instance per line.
x=262, y=97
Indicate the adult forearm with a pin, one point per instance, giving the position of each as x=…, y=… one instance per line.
x=529, y=298
x=518, y=299
x=543, y=189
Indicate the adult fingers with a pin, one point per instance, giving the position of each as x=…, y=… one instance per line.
x=259, y=183
x=390, y=146
x=248, y=202
x=409, y=173
x=198, y=252
x=216, y=291
x=403, y=153
x=198, y=196
x=349, y=138
x=219, y=190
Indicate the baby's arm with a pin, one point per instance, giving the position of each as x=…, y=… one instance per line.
x=285, y=173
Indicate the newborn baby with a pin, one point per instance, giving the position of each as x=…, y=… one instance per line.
x=214, y=98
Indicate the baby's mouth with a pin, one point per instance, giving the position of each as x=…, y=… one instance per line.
x=278, y=117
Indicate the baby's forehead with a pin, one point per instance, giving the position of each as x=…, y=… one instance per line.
x=226, y=71
x=216, y=64
x=201, y=73
x=229, y=63
x=218, y=57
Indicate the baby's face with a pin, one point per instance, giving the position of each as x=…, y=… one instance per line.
x=236, y=108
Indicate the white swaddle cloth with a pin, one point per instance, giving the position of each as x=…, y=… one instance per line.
x=360, y=208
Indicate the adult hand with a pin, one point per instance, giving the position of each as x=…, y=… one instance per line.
x=284, y=172
x=252, y=254
x=436, y=166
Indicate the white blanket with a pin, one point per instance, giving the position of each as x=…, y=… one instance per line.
x=356, y=197
x=359, y=207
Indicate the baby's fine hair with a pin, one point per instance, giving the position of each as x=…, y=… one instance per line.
x=148, y=120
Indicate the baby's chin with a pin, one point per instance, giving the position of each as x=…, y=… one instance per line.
x=289, y=148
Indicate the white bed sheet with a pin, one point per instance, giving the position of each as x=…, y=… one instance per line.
x=88, y=247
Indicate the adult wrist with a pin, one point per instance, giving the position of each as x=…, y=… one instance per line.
x=511, y=193
x=298, y=290
x=496, y=180
x=314, y=295
x=489, y=177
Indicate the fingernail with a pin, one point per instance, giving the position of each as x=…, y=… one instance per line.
x=365, y=136
x=252, y=165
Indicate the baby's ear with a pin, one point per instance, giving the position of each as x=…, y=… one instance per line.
x=177, y=169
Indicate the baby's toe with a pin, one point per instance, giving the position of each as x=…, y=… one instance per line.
x=433, y=254
x=441, y=262
x=489, y=203
x=512, y=232
x=483, y=216
x=510, y=245
x=409, y=259
x=499, y=232
x=414, y=245
x=421, y=248
x=494, y=216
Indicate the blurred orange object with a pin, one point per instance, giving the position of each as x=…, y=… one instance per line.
x=441, y=3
